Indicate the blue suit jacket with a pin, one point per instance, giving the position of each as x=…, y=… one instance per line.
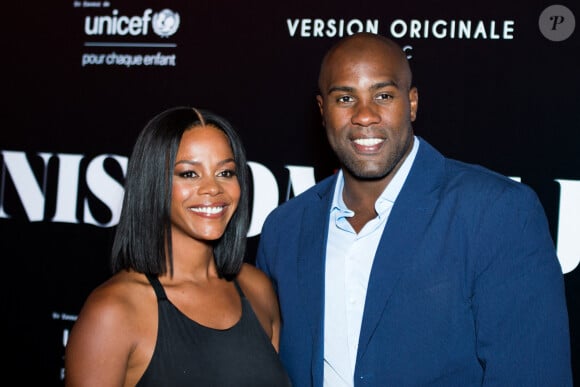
x=465, y=288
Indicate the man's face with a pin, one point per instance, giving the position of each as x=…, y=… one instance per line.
x=367, y=107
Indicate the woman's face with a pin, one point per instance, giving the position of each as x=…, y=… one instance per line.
x=206, y=190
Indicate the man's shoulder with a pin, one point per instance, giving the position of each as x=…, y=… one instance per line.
x=320, y=194
x=317, y=192
x=471, y=173
x=477, y=183
x=473, y=179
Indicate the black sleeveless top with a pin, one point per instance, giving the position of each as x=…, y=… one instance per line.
x=189, y=354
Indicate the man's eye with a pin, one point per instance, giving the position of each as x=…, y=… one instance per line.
x=345, y=99
x=384, y=96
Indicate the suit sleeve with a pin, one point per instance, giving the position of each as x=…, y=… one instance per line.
x=519, y=298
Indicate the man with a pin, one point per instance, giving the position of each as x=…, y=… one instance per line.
x=406, y=268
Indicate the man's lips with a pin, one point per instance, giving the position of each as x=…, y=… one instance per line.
x=368, y=145
x=368, y=141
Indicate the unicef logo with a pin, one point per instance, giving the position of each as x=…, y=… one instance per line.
x=165, y=23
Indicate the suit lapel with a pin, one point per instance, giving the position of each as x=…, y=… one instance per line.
x=396, y=252
x=311, y=265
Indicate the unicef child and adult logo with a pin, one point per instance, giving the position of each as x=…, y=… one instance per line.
x=123, y=31
x=165, y=23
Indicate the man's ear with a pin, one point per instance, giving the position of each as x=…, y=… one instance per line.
x=320, y=102
x=414, y=102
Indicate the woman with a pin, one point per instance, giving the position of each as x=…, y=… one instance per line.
x=182, y=309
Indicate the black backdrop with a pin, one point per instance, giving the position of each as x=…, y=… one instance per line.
x=498, y=85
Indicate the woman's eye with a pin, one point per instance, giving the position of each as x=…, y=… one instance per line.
x=188, y=174
x=227, y=173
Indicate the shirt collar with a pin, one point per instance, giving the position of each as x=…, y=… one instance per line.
x=388, y=196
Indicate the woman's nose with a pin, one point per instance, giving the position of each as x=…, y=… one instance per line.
x=209, y=185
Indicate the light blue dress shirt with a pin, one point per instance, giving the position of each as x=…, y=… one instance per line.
x=349, y=258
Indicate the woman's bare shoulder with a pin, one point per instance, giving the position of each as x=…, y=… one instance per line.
x=115, y=329
x=117, y=300
x=258, y=288
x=254, y=279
